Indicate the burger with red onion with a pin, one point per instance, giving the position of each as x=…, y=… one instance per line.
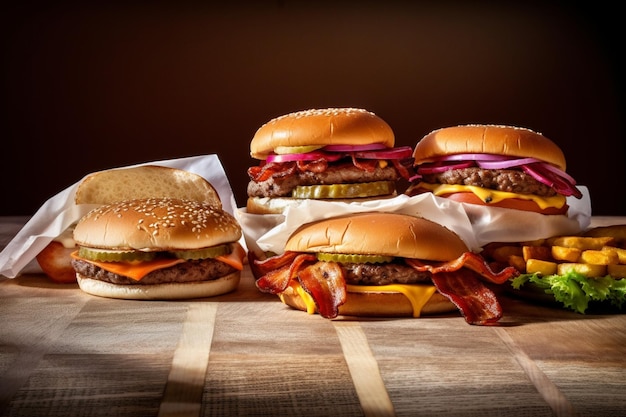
x=339, y=154
x=381, y=264
x=494, y=166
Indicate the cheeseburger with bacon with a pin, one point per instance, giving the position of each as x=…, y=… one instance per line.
x=381, y=264
x=343, y=154
x=494, y=166
x=158, y=248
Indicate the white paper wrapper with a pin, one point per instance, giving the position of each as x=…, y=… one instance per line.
x=476, y=225
x=60, y=212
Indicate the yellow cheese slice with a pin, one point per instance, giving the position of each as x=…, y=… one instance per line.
x=493, y=196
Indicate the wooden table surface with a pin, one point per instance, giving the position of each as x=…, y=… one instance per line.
x=66, y=353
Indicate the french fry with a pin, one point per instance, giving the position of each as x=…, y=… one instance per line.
x=536, y=252
x=588, y=270
x=543, y=267
x=517, y=262
x=621, y=253
x=503, y=253
x=561, y=253
x=617, y=231
x=599, y=257
x=616, y=271
x=584, y=243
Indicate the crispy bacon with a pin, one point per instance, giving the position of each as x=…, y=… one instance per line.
x=469, y=260
x=276, y=280
x=325, y=282
x=264, y=171
x=364, y=164
x=458, y=281
x=319, y=165
x=404, y=171
x=477, y=303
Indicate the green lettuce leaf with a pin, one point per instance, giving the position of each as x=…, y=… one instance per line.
x=575, y=291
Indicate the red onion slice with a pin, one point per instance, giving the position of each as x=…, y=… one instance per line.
x=545, y=176
x=391, y=153
x=472, y=157
x=438, y=168
x=509, y=163
x=309, y=156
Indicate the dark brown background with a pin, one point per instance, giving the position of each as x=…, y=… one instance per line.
x=99, y=86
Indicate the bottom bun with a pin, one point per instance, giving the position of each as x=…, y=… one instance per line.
x=169, y=291
x=278, y=205
x=377, y=304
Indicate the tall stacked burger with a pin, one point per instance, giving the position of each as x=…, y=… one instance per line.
x=158, y=248
x=339, y=154
x=381, y=264
x=494, y=166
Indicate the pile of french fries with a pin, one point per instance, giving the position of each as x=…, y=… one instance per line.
x=597, y=253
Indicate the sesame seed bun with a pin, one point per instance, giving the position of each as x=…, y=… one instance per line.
x=147, y=181
x=156, y=224
x=332, y=126
x=492, y=139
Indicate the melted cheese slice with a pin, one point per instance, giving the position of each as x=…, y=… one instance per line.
x=138, y=270
x=418, y=295
x=493, y=196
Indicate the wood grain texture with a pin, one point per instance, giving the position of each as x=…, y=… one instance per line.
x=66, y=353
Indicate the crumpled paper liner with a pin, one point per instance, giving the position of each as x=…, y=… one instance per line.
x=60, y=212
x=475, y=225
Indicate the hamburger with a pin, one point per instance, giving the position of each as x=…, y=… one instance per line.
x=381, y=265
x=109, y=186
x=494, y=166
x=341, y=154
x=158, y=248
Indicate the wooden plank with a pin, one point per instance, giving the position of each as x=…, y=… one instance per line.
x=364, y=370
x=183, y=392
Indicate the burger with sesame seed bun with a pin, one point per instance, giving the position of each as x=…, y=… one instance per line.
x=158, y=249
x=336, y=154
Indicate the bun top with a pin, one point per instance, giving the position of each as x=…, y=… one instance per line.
x=156, y=224
x=493, y=139
x=148, y=181
x=378, y=233
x=332, y=126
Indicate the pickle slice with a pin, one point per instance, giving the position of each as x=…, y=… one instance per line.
x=212, y=252
x=365, y=189
x=353, y=258
x=104, y=255
x=282, y=150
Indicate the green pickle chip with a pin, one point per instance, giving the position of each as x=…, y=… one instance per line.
x=353, y=258
x=366, y=189
x=103, y=255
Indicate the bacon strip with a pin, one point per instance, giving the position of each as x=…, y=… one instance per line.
x=477, y=303
x=276, y=281
x=469, y=260
x=326, y=284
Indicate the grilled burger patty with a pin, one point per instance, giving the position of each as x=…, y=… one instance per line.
x=383, y=274
x=501, y=180
x=190, y=271
x=282, y=183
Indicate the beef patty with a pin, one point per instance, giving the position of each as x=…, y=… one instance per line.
x=190, y=271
